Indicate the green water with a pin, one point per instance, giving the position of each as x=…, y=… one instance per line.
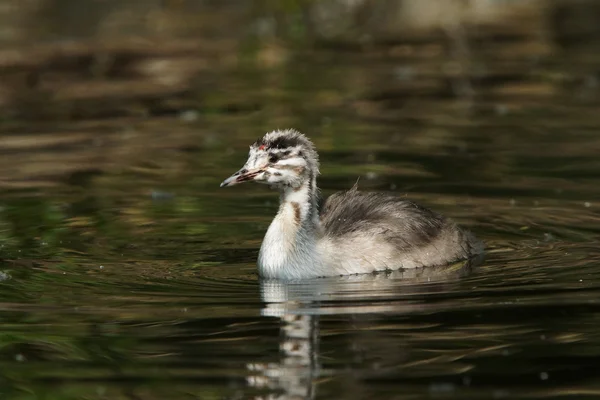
x=127, y=273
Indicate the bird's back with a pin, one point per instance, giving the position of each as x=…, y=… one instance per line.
x=388, y=230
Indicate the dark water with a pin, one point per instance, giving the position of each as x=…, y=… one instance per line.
x=127, y=273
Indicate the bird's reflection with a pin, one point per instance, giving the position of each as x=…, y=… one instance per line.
x=300, y=304
x=295, y=375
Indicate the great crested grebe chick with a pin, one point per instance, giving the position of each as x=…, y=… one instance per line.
x=356, y=232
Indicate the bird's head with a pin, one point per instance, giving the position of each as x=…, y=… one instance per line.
x=282, y=158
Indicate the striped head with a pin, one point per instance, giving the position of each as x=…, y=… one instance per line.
x=282, y=158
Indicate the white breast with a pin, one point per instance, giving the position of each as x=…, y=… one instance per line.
x=288, y=250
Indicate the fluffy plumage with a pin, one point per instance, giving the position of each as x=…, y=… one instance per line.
x=402, y=222
x=356, y=232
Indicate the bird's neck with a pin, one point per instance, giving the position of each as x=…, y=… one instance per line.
x=290, y=242
x=303, y=202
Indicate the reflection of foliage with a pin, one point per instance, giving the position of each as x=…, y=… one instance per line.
x=30, y=227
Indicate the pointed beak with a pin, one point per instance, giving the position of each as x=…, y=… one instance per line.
x=243, y=175
x=229, y=181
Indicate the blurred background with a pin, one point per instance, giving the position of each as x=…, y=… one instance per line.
x=98, y=67
x=126, y=273
x=102, y=66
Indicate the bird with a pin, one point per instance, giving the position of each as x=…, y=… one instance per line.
x=354, y=232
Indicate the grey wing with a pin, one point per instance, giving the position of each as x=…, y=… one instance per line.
x=388, y=218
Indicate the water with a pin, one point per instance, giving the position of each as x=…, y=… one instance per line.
x=126, y=272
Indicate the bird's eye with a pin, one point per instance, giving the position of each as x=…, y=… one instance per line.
x=273, y=158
